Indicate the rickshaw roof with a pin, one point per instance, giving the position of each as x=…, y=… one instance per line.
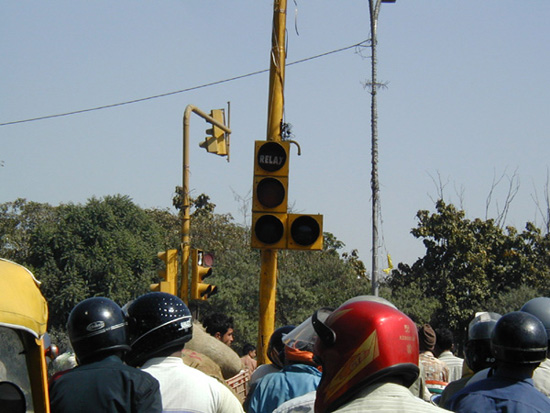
x=22, y=305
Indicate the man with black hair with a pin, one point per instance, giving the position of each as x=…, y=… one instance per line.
x=445, y=347
x=220, y=326
x=248, y=358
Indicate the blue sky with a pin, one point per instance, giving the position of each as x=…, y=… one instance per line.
x=467, y=101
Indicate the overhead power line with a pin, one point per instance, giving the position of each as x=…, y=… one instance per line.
x=218, y=82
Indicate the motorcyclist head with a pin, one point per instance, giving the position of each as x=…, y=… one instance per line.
x=299, y=343
x=97, y=328
x=519, y=338
x=360, y=343
x=477, y=350
x=159, y=324
x=276, y=347
x=540, y=308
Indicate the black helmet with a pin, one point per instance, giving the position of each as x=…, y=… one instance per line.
x=276, y=347
x=477, y=350
x=158, y=322
x=540, y=308
x=97, y=325
x=519, y=338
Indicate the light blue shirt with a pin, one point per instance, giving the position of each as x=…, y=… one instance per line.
x=274, y=389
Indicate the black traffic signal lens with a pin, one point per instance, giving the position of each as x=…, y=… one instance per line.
x=305, y=230
x=209, y=291
x=270, y=192
x=271, y=156
x=269, y=229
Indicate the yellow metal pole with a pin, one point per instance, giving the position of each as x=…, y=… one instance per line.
x=268, y=275
x=185, y=222
x=277, y=72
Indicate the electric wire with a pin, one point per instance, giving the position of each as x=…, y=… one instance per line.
x=162, y=95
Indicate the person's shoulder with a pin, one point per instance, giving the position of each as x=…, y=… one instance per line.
x=476, y=392
x=474, y=402
x=204, y=379
x=263, y=370
x=304, y=403
x=301, y=368
x=448, y=356
x=135, y=374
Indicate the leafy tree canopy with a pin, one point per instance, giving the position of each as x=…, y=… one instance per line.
x=108, y=247
x=469, y=266
x=104, y=248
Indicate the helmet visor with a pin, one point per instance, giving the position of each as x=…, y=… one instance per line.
x=304, y=336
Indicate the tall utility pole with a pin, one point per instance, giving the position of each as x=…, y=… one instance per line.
x=268, y=276
x=374, y=8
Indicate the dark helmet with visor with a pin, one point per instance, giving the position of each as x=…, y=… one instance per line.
x=276, y=347
x=477, y=351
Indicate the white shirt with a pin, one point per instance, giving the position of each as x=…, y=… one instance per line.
x=453, y=363
x=185, y=389
x=300, y=404
x=261, y=371
x=387, y=397
x=541, y=377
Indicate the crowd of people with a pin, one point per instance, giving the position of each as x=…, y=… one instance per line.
x=364, y=356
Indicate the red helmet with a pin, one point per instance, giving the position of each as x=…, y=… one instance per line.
x=360, y=343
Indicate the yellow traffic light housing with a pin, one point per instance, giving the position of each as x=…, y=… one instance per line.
x=269, y=231
x=271, y=158
x=168, y=276
x=270, y=194
x=272, y=226
x=305, y=232
x=216, y=142
x=201, y=268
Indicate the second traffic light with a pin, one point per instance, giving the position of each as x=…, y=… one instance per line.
x=215, y=142
x=201, y=268
x=168, y=276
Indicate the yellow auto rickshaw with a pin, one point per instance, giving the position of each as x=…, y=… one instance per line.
x=23, y=339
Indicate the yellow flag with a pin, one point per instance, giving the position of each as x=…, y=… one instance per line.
x=390, y=265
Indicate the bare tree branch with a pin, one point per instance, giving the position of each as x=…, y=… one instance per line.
x=244, y=205
x=460, y=194
x=544, y=213
x=439, y=186
x=489, y=198
x=513, y=189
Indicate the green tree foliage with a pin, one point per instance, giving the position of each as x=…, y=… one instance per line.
x=18, y=220
x=467, y=264
x=108, y=247
x=104, y=248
